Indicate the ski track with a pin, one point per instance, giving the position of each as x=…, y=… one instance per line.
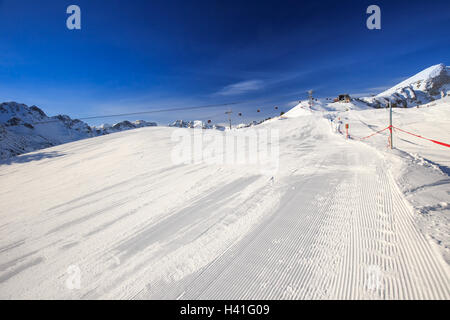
x=357, y=240
x=332, y=225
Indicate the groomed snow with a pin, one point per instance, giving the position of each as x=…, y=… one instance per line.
x=332, y=223
x=420, y=167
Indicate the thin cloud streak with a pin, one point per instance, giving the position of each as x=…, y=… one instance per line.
x=241, y=87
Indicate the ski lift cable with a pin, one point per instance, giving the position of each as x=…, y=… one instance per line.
x=209, y=116
x=156, y=111
x=149, y=112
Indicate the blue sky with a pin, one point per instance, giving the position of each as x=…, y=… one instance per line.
x=139, y=55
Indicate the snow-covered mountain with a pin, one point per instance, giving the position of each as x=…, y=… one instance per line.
x=428, y=85
x=189, y=124
x=197, y=124
x=122, y=126
x=24, y=129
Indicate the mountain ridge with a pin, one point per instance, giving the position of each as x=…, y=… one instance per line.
x=428, y=85
x=25, y=129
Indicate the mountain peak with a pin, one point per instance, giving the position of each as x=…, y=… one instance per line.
x=428, y=85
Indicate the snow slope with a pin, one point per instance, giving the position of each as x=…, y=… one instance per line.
x=330, y=223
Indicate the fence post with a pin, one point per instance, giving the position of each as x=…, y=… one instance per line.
x=229, y=112
x=391, y=142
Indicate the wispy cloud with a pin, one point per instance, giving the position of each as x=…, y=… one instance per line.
x=241, y=87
